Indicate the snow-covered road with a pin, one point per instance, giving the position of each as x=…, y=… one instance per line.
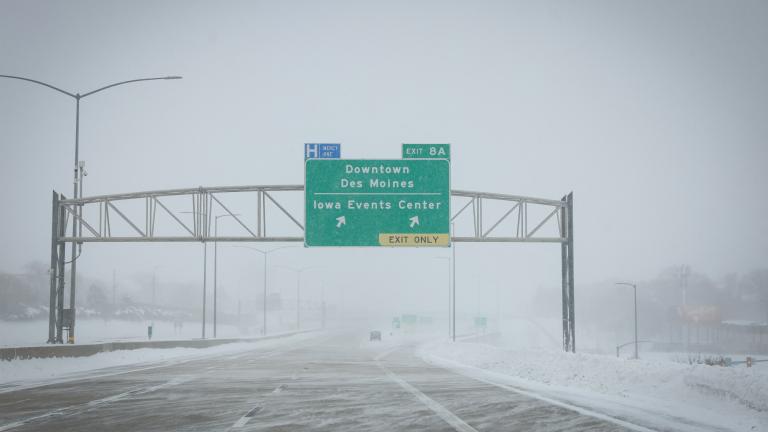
x=333, y=381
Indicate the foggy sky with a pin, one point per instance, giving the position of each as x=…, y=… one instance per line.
x=654, y=113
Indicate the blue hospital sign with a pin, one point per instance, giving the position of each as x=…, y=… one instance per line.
x=322, y=151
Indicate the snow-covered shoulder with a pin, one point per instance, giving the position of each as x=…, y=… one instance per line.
x=33, y=372
x=652, y=393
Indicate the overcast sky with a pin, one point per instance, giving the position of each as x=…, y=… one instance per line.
x=654, y=113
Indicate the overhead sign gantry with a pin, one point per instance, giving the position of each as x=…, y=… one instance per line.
x=416, y=192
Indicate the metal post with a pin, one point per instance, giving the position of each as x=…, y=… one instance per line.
x=564, y=271
x=215, y=271
x=264, y=326
x=53, y=269
x=453, y=282
x=634, y=287
x=60, y=278
x=154, y=287
x=298, y=297
x=322, y=300
x=571, y=296
x=73, y=268
x=205, y=278
x=450, y=269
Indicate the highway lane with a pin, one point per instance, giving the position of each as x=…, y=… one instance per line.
x=333, y=382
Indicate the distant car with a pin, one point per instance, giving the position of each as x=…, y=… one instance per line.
x=376, y=336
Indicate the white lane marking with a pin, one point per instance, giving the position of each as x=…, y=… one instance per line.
x=438, y=409
x=477, y=374
x=278, y=389
x=241, y=422
x=246, y=418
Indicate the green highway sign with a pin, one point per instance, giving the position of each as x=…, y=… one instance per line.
x=391, y=202
x=427, y=151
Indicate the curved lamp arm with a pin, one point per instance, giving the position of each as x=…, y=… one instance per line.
x=41, y=83
x=127, y=82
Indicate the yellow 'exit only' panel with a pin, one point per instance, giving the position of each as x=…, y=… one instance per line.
x=411, y=240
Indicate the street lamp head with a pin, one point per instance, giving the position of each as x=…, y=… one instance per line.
x=172, y=77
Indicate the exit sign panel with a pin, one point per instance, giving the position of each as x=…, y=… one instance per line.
x=360, y=202
x=427, y=151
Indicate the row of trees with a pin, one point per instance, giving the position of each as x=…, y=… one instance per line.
x=25, y=295
x=605, y=310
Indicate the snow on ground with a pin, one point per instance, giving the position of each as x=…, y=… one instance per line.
x=37, y=371
x=35, y=333
x=655, y=393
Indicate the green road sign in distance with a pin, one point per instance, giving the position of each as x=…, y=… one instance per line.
x=360, y=202
x=427, y=151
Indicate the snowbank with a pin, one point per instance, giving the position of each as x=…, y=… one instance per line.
x=37, y=371
x=658, y=393
x=35, y=333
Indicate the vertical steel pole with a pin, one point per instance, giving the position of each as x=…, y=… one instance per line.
x=634, y=287
x=453, y=283
x=53, y=269
x=205, y=278
x=215, y=270
x=264, y=325
x=298, y=297
x=450, y=269
x=73, y=268
x=564, y=271
x=571, y=296
x=322, y=300
x=60, y=276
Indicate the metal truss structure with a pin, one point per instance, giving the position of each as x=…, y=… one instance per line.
x=188, y=215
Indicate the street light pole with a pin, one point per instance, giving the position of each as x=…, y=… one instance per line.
x=453, y=279
x=216, y=266
x=265, y=253
x=205, y=269
x=205, y=279
x=76, y=177
x=298, y=290
x=634, y=287
x=449, y=292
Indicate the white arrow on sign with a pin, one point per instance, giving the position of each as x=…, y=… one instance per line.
x=342, y=221
x=414, y=221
